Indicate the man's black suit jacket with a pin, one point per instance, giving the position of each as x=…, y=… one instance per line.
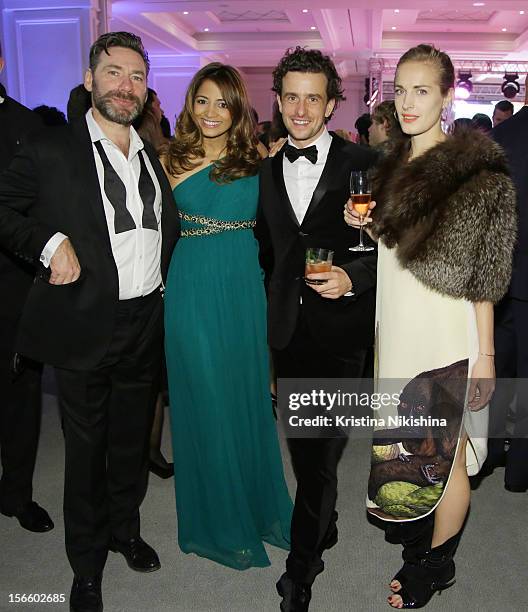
x=341, y=326
x=512, y=135
x=52, y=186
x=16, y=276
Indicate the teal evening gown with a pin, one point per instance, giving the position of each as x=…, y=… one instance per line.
x=230, y=489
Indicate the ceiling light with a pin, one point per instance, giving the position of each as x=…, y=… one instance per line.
x=185, y=12
x=393, y=28
x=305, y=10
x=396, y=10
x=521, y=12
x=510, y=87
x=464, y=86
x=206, y=30
x=313, y=28
x=504, y=29
x=479, y=4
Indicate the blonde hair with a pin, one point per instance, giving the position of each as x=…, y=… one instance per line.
x=428, y=54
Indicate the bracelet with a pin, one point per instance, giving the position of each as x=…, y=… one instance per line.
x=487, y=354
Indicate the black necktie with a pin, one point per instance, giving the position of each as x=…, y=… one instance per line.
x=116, y=193
x=292, y=153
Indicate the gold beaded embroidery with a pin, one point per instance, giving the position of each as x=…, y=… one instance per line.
x=212, y=226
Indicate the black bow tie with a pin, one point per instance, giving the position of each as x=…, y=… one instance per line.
x=292, y=153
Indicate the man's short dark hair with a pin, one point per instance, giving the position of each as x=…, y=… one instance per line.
x=79, y=102
x=363, y=122
x=482, y=122
x=117, y=39
x=309, y=60
x=505, y=106
x=50, y=115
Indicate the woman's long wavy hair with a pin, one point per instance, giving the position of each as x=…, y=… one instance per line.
x=241, y=158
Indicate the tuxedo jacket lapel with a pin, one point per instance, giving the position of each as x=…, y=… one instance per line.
x=327, y=177
x=91, y=187
x=278, y=178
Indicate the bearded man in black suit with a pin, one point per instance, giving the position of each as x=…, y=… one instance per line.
x=91, y=203
x=315, y=330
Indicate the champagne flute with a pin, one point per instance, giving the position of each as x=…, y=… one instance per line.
x=360, y=194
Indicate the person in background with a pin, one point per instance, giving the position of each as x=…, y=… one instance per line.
x=148, y=124
x=461, y=124
x=482, y=122
x=278, y=129
x=511, y=322
x=362, y=126
x=384, y=124
x=261, y=147
x=274, y=130
x=263, y=127
x=79, y=101
x=20, y=378
x=255, y=116
x=165, y=127
x=503, y=110
x=50, y=115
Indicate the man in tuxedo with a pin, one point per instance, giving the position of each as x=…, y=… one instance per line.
x=511, y=321
x=91, y=202
x=503, y=110
x=315, y=331
x=20, y=379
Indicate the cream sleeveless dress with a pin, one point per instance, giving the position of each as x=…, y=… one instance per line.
x=421, y=331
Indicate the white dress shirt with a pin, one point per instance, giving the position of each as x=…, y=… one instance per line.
x=301, y=176
x=137, y=252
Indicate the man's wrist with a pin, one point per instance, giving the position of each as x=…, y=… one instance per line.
x=350, y=287
x=51, y=246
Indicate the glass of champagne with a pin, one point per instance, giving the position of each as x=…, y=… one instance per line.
x=317, y=260
x=360, y=194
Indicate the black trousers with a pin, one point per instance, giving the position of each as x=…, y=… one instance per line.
x=20, y=411
x=511, y=361
x=314, y=460
x=107, y=415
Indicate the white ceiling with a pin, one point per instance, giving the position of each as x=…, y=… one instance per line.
x=253, y=35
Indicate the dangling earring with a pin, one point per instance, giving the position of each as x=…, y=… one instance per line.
x=444, y=114
x=395, y=115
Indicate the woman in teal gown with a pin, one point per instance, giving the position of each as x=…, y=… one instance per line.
x=231, y=495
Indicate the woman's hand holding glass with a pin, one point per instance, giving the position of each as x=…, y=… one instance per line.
x=354, y=219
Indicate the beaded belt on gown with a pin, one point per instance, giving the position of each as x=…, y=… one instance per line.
x=212, y=226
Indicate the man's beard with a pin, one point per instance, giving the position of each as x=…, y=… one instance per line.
x=104, y=104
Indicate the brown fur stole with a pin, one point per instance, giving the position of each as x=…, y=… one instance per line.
x=451, y=215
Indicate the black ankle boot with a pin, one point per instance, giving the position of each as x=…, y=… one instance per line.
x=416, y=537
x=434, y=572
